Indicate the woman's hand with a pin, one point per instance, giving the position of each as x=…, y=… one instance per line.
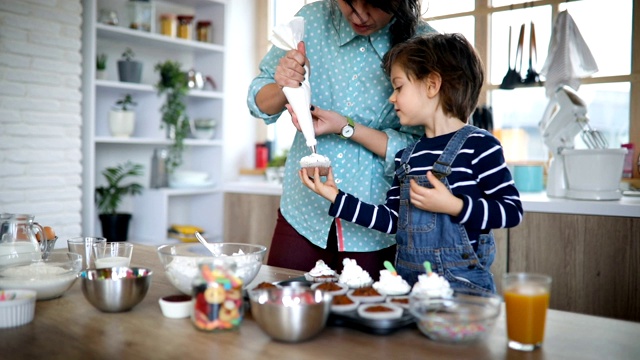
x=290, y=70
x=324, y=121
x=437, y=199
x=327, y=190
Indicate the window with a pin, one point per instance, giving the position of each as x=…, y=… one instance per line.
x=517, y=112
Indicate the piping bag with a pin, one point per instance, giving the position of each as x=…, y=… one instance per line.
x=286, y=37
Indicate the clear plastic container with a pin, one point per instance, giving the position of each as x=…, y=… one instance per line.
x=203, y=31
x=218, y=304
x=168, y=25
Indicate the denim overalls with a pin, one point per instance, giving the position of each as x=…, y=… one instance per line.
x=424, y=235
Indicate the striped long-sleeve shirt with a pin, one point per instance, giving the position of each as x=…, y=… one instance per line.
x=479, y=176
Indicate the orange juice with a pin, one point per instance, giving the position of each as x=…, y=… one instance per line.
x=526, y=312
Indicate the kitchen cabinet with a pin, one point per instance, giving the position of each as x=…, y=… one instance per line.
x=593, y=260
x=156, y=209
x=250, y=218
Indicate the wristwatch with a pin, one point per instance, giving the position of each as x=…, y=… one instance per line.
x=348, y=130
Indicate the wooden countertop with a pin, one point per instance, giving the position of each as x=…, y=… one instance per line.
x=70, y=328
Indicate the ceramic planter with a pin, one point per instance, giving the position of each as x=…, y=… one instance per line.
x=122, y=123
x=129, y=71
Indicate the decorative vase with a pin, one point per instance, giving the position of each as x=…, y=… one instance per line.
x=129, y=71
x=122, y=123
x=115, y=227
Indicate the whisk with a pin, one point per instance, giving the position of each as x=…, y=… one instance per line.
x=592, y=138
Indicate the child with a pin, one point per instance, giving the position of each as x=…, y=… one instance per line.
x=452, y=186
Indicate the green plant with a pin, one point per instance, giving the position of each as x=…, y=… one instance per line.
x=101, y=61
x=173, y=84
x=128, y=54
x=109, y=197
x=126, y=102
x=279, y=160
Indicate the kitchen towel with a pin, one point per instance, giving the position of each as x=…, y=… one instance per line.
x=286, y=37
x=569, y=57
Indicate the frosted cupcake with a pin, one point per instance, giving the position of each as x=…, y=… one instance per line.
x=431, y=284
x=353, y=275
x=316, y=161
x=391, y=284
x=321, y=272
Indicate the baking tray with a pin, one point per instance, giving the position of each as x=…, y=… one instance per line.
x=351, y=319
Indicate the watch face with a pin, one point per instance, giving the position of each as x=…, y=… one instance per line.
x=347, y=131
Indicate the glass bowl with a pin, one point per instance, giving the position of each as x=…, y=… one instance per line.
x=181, y=261
x=50, y=277
x=464, y=317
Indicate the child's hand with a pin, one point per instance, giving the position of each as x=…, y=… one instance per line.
x=327, y=190
x=438, y=199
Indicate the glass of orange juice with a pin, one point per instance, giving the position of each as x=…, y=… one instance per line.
x=526, y=297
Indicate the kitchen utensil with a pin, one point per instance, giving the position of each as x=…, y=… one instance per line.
x=290, y=314
x=203, y=241
x=593, y=174
x=180, y=261
x=512, y=78
x=593, y=138
x=18, y=234
x=17, y=307
x=532, y=75
x=465, y=317
x=50, y=277
x=115, y=289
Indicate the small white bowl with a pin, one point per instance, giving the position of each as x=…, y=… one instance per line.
x=17, y=307
x=176, y=306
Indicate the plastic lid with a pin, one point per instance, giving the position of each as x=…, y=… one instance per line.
x=204, y=23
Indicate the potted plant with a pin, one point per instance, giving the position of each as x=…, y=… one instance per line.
x=101, y=66
x=122, y=118
x=129, y=70
x=115, y=225
x=173, y=85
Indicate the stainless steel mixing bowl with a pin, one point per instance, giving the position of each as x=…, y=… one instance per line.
x=115, y=289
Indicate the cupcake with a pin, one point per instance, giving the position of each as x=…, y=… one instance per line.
x=353, y=275
x=321, y=272
x=391, y=283
x=432, y=285
x=316, y=161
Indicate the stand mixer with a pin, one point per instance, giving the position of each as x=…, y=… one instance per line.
x=563, y=119
x=583, y=174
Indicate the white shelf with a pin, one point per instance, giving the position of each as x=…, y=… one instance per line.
x=155, y=209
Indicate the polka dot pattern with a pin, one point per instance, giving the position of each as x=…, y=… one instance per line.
x=346, y=77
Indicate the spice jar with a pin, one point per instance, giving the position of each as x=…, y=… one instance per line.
x=184, y=26
x=218, y=304
x=203, y=31
x=168, y=25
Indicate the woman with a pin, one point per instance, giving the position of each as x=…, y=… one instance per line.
x=355, y=125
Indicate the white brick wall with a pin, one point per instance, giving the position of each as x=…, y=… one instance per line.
x=40, y=112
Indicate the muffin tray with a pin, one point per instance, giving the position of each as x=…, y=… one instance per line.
x=351, y=319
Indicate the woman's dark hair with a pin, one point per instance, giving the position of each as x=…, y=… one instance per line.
x=453, y=58
x=406, y=13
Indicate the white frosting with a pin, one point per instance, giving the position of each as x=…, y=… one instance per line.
x=390, y=284
x=432, y=285
x=353, y=275
x=321, y=269
x=315, y=160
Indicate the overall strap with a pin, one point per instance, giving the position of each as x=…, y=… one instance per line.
x=404, y=168
x=442, y=166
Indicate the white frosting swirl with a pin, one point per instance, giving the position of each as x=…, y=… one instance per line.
x=390, y=284
x=353, y=275
x=432, y=285
x=315, y=160
x=321, y=269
